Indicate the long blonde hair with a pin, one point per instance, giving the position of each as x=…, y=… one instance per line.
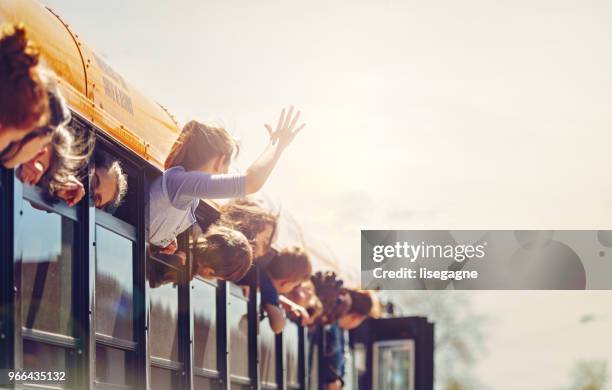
x=198, y=143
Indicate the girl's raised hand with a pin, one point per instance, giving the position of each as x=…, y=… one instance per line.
x=286, y=129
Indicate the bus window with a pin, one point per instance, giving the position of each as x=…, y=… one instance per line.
x=44, y=357
x=114, y=284
x=164, y=331
x=163, y=379
x=313, y=373
x=237, y=322
x=267, y=355
x=47, y=283
x=291, y=338
x=202, y=383
x=360, y=363
x=46, y=271
x=164, y=322
x=204, y=303
x=114, y=305
x=112, y=366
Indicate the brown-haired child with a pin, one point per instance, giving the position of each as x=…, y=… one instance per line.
x=256, y=223
x=305, y=296
x=223, y=253
x=220, y=253
x=279, y=275
x=362, y=304
x=197, y=168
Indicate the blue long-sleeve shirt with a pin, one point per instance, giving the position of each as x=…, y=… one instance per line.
x=175, y=195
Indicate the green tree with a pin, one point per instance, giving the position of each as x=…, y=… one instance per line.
x=589, y=375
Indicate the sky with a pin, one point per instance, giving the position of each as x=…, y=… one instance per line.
x=440, y=114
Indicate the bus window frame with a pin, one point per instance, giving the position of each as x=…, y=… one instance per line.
x=139, y=346
x=125, y=230
x=72, y=344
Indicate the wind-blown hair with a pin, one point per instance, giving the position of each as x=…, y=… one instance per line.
x=103, y=160
x=70, y=149
x=248, y=217
x=226, y=251
x=198, y=143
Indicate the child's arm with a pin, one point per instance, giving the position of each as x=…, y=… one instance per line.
x=296, y=310
x=195, y=184
x=32, y=171
x=183, y=185
x=276, y=317
x=286, y=130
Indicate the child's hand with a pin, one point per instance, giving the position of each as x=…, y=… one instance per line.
x=30, y=172
x=72, y=191
x=245, y=291
x=182, y=256
x=285, y=129
x=170, y=249
x=299, y=313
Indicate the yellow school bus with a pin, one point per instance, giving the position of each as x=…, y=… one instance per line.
x=77, y=309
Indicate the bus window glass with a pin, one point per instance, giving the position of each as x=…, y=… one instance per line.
x=237, y=322
x=164, y=321
x=267, y=353
x=46, y=270
x=200, y=383
x=203, y=298
x=114, y=284
x=112, y=365
x=291, y=339
x=313, y=365
x=162, y=379
x=42, y=357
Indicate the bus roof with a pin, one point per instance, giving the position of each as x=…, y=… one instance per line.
x=92, y=88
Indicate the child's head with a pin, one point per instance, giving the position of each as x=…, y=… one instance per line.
x=289, y=268
x=252, y=220
x=361, y=306
x=108, y=182
x=203, y=148
x=53, y=132
x=24, y=104
x=222, y=253
x=334, y=297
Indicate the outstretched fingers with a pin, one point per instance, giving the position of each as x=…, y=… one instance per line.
x=279, y=126
x=294, y=121
x=269, y=129
x=299, y=129
x=286, y=129
x=288, y=119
